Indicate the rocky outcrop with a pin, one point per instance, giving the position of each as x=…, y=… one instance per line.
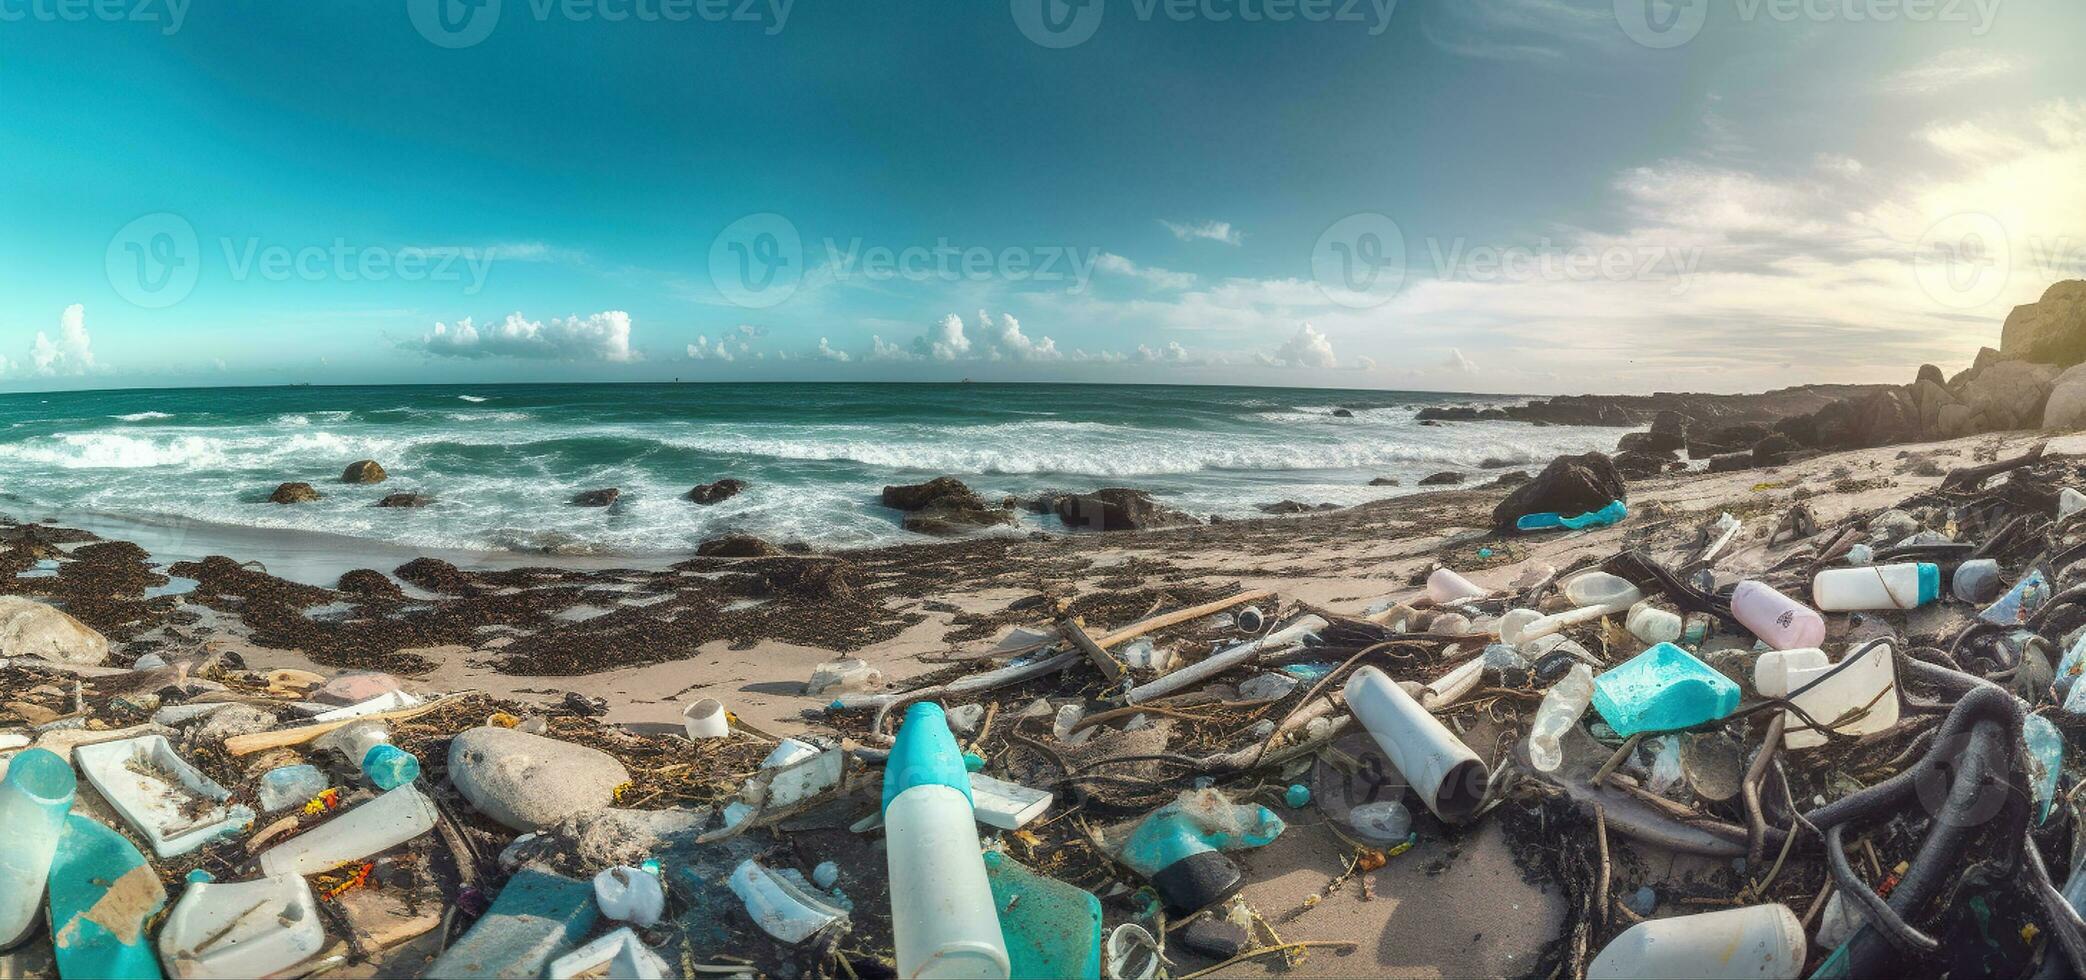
x=1293, y=507
x=1642, y=464
x=2066, y=407
x=2009, y=395
x=1441, y=479
x=406, y=500
x=293, y=493
x=31, y=629
x=1688, y=410
x=944, y=506
x=917, y=496
x=1385, y=481
x=596, y=498
x=2051, y=330
x=736, y=546
x=722, y=490
x=1570, y=485
x=1116, y=509
x=363, y=471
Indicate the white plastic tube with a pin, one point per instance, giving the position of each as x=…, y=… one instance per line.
x=943, y=920
x=1446, y=774
x=1226, y=659
x=1758, y=942
x=1563, y=705
x=378, y=825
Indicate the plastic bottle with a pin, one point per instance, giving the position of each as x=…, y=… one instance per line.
x=1446, y=774
x=1602, y=589
x=1562, y=707
x=1662, y=689
x=385, y=765
x=943, y=920
x=34, y=798
x=1651, y=624
x=1976, y=581
x=1445, y=586
x=1779, y=621
x=380, y=824
x=1758, y=941
x=1904, y=585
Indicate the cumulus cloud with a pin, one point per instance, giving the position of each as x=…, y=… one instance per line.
x=1006, y=341
x=1949, y=69
x=1172, y=353
x=71, y=353
x=705, y=349
x=827, y=352
x=945, y=341
x=1152, y=275
x=1363, y=362
x=1456, y=363
x=879, y=350
x=1308, y=348
x=599, y=337
x=1209, y=231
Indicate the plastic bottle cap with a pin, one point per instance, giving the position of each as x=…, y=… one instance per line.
x=1929, y=582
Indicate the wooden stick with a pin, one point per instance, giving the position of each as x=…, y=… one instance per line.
x=1163, y=620
x=284, y=738
x=1111, y=671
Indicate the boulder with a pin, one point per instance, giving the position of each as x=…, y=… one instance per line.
x=1638, y=465
x=1342, y=413
x=293, y=493
x=370, y=582
x=596, y=498
x=1293, y=507
x=1636, y=442
x=952, y=516
x=710, y=493
x=2049, y=331
x=1730, y=462
x=363, y=471
x=1669, y=431
x=1725, y=439
x=2010, y=394
x=1496, y=463
x=32, y=629
x=1513, y=478
x=1886, y=417
x=405, y=500
x=946, y=490
x=1385, y=481
x=1930, y=396
x=1117, y=509
x=1773, y=450
x=529, y=782
x=1441, y=479
x=736, y=546
x=1929, y=372
x=1570, y=485
x=2066, y=407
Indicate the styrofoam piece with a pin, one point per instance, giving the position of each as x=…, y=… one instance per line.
x=1005, y=805
x=241, y=929
x=377, y=825
x=628, y=894
x=803, y=778
x=155, y=790
x=619, y=955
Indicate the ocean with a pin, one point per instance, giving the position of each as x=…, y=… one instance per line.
x=503, y=460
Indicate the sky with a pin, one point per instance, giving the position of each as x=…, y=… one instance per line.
x=1529, y=196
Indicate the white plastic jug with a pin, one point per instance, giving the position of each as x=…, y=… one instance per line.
x=1903, y=585
x=1602, y=589
x=1868, y=685
x=241, y=929
x=1758, y=942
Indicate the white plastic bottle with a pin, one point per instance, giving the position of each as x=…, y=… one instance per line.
x=944, y=922
x=1651, y=624
x=377, y=825
x=1904, y=585
x=35, y=796
x=1867, y=688
x=1758, y=942
x=1783, y=623
x=1562, y=707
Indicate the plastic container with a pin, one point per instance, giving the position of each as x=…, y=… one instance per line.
x=1868, y=686
x=1447, y=775
x=1651, y=624
x=943, y=921
x=1180, y=848
x=385, y=765
x=1445, y=586
x=1602, y=589
x=241, y=929
x=619, y=955
x=706, y=719
x=103, y=892
x=34, y=798
x=1758, y=942
x=632, y=895
x=1903, y=585
x=1779, y=621
x=2069, y=502
x=286, y=786
x=380, y=824
x=537, y=918
x=156, y=791
x=1662, y=689
x=1977, y=581
x=1562, y=707
x=1051, y=928
x=780, y=908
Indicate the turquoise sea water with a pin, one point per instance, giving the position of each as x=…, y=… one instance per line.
x=502, y=460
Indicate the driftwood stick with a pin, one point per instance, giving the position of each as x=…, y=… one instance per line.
x=1111, y=671
x=284, y=738
x=1969, y=477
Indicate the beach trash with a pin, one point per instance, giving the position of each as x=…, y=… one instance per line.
x=368, y=745
x=1383, y=822
x=102, y=893
x=1051, y=929
x=287, y=786
x=2069, y=502
x=241, y=929
x=781, y=908
x=1445, y=586
x=1132, y=953
x=1779, y=621
x=1758, y=942
x=1448, y=776
x=632, y=895
x=2045, y=762
x=1615, y=511
x=843, y=676
x=942, y=916
x=1602, y=589
x=2020, y=602
x=377, y=825
x=1855, y=697
x=1903, y=585
x=1005, y=805
x=538, y=917
x=35, y=796
x=1652, y=624
x=1249, y=620
x=387, y=701
x=1563, y=705
x=1180, y=846
x=1662, y=689
x=170, y=802
x=1977, y=581
x=706, y=719
x=618, y=955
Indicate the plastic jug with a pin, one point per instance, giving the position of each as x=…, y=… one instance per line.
x=1904, y=585
x=1829, y=693
x=943, y=921
x=1562, y=707
x=34, y=798
x=1662, y=689
x=2045, y=761
x=241, y=929
x=1758, y=942
x=1051, y=928
x=1779, y=621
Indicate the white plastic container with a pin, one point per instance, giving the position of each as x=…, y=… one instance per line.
x=705, y=719
x=1870, y=683
x=1652, y=624
x=779, y=907
x=628, y=894
x=1758, y=942
x=155, y=789
x=1779, y=621
x=378, y=825
x=1903, y=585
x=1445, y=586
x=241, y=929
x=1563, y=705
x=619, y=955
x=1006, y=805
x=1602, y=589
x=943, y=918
x=35, y=796
x=1446, y=774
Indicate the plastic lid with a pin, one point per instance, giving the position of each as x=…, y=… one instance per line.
x=1929, y=582
x=925, y=755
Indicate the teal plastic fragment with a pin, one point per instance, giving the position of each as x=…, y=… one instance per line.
x=1051, y=928
x=1199, y=822
x=102, y=893
x=2045, y=762
x=1297, y=795
x=1662, y=689
x=538, y=917
x=1615, y=511
x=925, y=754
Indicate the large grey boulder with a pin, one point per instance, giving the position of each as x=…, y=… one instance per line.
x=529, y=782
x=2052, y=331
x=31, y=629
x=2066, y=408
x=2009, y=394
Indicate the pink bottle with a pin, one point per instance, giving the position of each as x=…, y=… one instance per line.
x=1784, y=623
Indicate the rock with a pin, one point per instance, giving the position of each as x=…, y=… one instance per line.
x=1636, y=442
x=1929, y=372
x=1773, y=450
x=942, y=489
x=1669, y=431
x=1570, y=485
x=736, y=546
x=1293, y=507
x=1885, y=418
x=32, y=629
x=2066, y=407
x=596, y=498
x=1342, y=413
x=710, y=493
x=293, y=493
x=529, y=782
x=1442, y=479
x=406, y=500
x=370, y=582
x=1496, y=463
x=239, y=719
x=2050, y=331
x=950, y=516
x=1638, y=465
x=1117, y=509
x=363, y=471
x=1725, y=439
x=2009, y=394
x=1385, y=481
x=1731, y=462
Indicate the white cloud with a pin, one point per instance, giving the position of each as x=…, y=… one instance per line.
x=71, y=353
x=1839, y=165
x=1172, y=353
x=1152, y=275
x=1006, y=341
x=1212, y=231
x=827, y=352
x=705, y=349
x=944, y=341
x=881, y=351
x=1456, y=363
x=1308, y=348
x=599, y=337
x=1949, y=69
x=1364, y=362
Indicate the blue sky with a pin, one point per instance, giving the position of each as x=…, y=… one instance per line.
x=1517, y=195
